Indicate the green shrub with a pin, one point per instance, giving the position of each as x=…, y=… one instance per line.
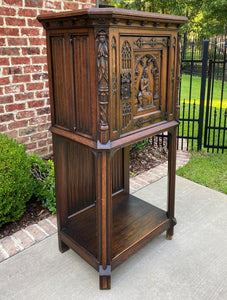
x=43, y=182
x=140, y=145
x=15, y=180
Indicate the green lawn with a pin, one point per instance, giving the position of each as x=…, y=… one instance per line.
x=195, y=91
x=207, y=169
x=192, y=110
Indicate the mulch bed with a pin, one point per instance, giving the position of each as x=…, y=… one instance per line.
x=148, y=157
x=140, y=161
x=34, y=213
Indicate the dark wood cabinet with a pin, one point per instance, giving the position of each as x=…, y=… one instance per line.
x=114, y=77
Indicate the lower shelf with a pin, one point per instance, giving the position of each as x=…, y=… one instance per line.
x=135, y=222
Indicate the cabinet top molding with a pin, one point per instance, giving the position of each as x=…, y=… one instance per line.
x=115, y=16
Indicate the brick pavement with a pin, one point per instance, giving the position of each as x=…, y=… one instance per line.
x=34, y=233
x=156, y=173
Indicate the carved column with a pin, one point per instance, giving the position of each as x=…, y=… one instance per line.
x=104, y=216
x=178, y=77
x=114, y=82
x=156, y=85
x=103, y=84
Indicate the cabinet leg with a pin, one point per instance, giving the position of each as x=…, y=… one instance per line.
x=171, y=181
x=104, y=216
x=169, y=233
x=105, y=278
x=62, y=246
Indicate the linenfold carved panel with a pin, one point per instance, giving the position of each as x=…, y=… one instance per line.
x=58, y=45
x=80, y=50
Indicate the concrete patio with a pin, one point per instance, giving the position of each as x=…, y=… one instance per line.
x=191, y=266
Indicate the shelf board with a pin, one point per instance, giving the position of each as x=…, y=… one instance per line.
x=135, y=222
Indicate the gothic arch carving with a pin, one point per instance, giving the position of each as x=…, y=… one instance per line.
x=126, y=55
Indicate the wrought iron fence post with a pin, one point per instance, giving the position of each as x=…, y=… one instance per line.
x=202, y=92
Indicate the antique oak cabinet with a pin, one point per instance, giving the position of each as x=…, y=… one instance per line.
x=114, y=77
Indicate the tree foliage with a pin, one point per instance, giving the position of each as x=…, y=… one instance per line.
x=206, y=18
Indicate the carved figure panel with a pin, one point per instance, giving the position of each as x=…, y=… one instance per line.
x=102, y=60
x=145, y=95
x=147, y=81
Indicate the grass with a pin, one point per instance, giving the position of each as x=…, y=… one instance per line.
x=186, y=128
x=207, y=169
x=195, y=91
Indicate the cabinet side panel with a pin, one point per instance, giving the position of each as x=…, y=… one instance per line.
x=60, y=164
x=75, y=174
x=117, y=171
x=81, y=183
x=82, y=84
x=59, y=80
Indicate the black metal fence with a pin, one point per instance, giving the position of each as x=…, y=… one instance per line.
x=203, y=96
x=216, y=113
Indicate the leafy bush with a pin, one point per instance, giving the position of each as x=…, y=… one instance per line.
x=140, y=145
x=15, y=180
x=43, y=182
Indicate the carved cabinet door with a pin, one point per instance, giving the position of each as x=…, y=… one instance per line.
x=144, y=76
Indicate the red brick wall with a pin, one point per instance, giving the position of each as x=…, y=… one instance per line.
x=24, y=93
